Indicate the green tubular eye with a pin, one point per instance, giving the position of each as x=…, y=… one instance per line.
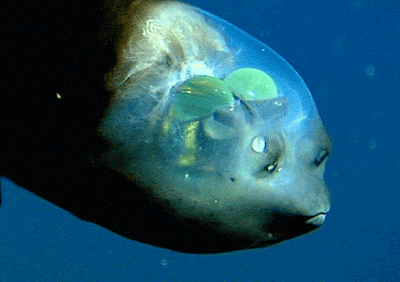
x=252, y=84
x=200, y=96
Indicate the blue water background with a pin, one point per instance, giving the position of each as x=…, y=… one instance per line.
x=348, y=54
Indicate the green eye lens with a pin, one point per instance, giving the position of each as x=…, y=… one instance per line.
x=200, y=96
x=252, y=84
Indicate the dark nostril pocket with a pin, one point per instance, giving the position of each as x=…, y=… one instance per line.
x=268, y=169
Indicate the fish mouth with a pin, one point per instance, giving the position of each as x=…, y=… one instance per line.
x=317, y=220
x=285, y=228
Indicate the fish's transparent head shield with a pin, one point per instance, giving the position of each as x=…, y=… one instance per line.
x=212, y=121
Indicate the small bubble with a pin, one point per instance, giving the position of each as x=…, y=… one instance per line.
x=164, y=262
x=372, y=145
x=370, y=70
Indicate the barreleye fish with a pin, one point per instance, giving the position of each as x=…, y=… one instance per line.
x=202, y=139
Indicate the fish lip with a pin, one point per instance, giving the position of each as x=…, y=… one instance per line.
x=317, y=219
